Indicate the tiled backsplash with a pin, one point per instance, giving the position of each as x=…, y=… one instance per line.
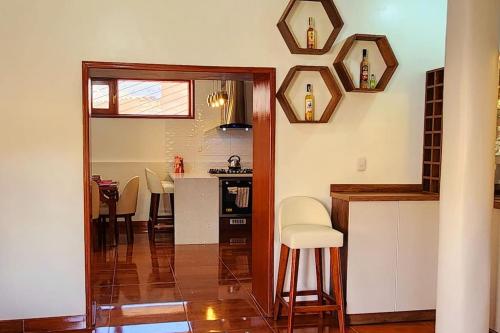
x=199, y=142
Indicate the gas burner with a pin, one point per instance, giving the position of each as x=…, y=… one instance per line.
x=229, y=171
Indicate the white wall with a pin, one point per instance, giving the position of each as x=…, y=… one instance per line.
x=43, y=44
x=122, y=148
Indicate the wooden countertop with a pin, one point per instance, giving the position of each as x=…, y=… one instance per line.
x=381, y=192
x=386, y=192
x=378, y=196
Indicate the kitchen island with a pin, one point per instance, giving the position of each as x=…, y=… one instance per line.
x=196, y=203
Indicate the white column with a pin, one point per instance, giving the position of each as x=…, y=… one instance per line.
x=468, y=166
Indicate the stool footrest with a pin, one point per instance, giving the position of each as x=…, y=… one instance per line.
x=309, y=306
x=312, y=305
x=309, y=293
x=301, y=293
x=317, y=308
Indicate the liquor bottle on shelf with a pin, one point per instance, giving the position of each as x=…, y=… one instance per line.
x=311, y=35
x=373, y=82
x=364, y=68
x=309, y=103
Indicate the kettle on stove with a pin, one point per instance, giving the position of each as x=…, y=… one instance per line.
x=234, y=162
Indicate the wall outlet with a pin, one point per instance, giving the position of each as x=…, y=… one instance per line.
x=361, y=164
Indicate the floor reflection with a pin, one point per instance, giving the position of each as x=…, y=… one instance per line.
x=158, y=287
x=175, y=287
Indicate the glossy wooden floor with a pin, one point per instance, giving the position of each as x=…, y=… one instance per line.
x=159, y=288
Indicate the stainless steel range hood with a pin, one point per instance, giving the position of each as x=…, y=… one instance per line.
x=237, y=112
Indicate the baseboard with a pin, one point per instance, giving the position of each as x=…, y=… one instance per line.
x=43, y=324
x=390, y=317
x=493, y=331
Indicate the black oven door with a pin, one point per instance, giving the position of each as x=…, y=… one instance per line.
x=235, y=197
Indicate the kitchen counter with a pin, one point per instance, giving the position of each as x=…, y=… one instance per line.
x=190, y=175
x=232, y=175
x=206, y=175
x=381, y=192
x=391, y=239
x=386, y=196
x=196, y=213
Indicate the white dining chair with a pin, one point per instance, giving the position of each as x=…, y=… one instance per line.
x=126, y=206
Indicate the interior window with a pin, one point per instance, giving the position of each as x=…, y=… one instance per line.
x=142, y=98
x=100, y=96
x=167, y=98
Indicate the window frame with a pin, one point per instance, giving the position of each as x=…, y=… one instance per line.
x=101, y=112
x=113, y=110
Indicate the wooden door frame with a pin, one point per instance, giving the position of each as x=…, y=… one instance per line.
x=264, y=123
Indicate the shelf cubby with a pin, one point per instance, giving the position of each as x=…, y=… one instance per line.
x=386, y=52
x=433, y=130
x=331, y=85
x=289, y=38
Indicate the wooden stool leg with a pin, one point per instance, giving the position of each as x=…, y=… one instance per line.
x=150, y=220
x=319, y=277
x=336, y=280
x=154, y=218
x=284, y=252
x=293, y=288
x=171, y=196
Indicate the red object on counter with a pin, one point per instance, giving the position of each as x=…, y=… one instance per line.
x=178, y=164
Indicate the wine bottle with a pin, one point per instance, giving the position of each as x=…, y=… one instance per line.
x=363, y=71
x=311, y=35
x=309, y=105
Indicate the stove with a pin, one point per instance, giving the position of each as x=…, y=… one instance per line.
x=229, y=171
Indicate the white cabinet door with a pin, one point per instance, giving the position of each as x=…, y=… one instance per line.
x=417, y=255
x=371, y=267
x=196, y=210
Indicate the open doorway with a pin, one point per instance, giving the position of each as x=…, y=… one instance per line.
x=245, y=235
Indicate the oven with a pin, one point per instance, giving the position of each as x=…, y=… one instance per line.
x=235, y=197
x=235, y=208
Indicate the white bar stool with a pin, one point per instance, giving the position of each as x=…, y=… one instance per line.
x=304, y=223
x=158, y=187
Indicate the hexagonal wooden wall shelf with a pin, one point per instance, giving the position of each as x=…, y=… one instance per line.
x=330, y=83
x=386, y=52
x=290, y=41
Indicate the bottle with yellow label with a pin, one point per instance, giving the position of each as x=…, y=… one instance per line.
x=364, y=69
x=311, y=35
x=309, y=105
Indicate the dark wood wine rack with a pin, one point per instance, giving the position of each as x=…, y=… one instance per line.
x=433, y=130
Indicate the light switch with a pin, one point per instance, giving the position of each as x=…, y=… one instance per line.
x=362, y=164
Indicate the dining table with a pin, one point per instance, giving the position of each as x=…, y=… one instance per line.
x=109, y=195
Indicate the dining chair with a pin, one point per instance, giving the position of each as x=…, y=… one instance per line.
x=95, y=202
x=126, y=206
x=157, y=187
